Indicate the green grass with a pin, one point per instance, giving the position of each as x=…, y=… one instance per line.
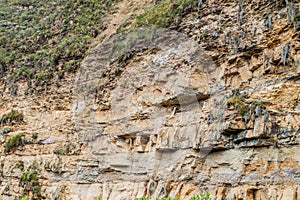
x=42, y=37
x=164, y=13
x=201, y=196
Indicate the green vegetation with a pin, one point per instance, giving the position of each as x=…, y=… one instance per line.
x=34, y=167
x=164, y=13
x=201, y=196
x=20, y=165
x=238, y=103
x=40, y=38
x=163, y=198
x=13, y=115
x=205, y=35
x=58, y=150
x=296, y=17
x=29, y=181
x=65, y=149
x=24, y=197
x=13, y=142
x=259, y=103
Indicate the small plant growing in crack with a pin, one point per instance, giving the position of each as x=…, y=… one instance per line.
x=13, y=115
x=201, y=196
x=237, y=101
x=14, y=142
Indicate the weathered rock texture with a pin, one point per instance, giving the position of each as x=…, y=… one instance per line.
x=155, y=112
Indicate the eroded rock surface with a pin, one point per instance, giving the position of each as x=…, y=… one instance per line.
x=155, y=112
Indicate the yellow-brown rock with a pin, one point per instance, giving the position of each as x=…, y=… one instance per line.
x=149, y=113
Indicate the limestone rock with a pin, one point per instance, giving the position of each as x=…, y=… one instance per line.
x=148, y=113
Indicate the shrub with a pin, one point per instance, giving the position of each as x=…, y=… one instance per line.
x=31, y=183
x=14, y=142
x=238, y=103
x=58, y=150
x=13, y=115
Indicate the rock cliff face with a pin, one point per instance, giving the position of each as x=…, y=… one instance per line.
x=210, y=105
